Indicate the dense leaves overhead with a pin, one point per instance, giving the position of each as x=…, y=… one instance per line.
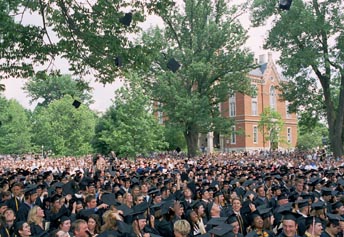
x=310, y=38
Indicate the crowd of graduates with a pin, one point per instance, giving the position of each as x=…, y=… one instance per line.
x=169, y=195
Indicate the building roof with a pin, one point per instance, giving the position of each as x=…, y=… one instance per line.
x=259, y=71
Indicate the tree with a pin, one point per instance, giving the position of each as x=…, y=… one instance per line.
x=271, y=124
x=310, y=38
x=309, y=139
x=15, y=128
x=63, y=129
x=50, y=88
x=132, y=129
x=22, y=47
x=206, y=39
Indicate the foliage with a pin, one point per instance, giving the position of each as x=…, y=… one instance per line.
x=64, y=130
x=207, y=40
x=309, y=139
x=271, y=124
x=15, y=128
x=130, y=127
x=174, y=137
x=311, y=40
x=49, y=88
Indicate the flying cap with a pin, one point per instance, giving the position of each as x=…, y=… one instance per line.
x=173, y=65
x=76, y=104
x=126, y=19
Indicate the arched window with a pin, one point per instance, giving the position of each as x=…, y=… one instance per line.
x=232, y=105
x=272, y=97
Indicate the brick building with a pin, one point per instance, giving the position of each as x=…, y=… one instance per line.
x=246, y=110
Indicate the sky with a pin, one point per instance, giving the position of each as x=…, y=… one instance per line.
x=103, y=94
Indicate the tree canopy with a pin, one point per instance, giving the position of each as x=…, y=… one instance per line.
x=207, y=40
x=50, y=88
x=129, y=127
x=310, y=38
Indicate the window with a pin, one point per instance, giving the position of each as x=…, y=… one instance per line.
x=254, y=107
x=255, y=134
x=289, y=135
x=160, y=117
x=233, y=135
x=232, y=106
x=272, y=97
x=287, y=110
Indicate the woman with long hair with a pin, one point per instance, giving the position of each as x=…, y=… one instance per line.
x=36, y=220
x=93, y=224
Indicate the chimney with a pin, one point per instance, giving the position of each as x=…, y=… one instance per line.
x=261, y=59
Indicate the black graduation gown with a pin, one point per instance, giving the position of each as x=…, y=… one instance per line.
x=23, y=212
x=13, y=203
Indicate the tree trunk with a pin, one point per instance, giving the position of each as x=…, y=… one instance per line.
x=191, y=137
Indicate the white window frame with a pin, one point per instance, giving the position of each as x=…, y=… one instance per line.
x=233, y=135
x=289, y=135
x=232, y=105
x=288, y=115
x=255, y=134
x=272, y=94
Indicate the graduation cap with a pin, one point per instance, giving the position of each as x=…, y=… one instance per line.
x=109, y=199
x=142, y=207
x=326, y=191
x=318, y=205
x=312, y=220
x=302, y=203
x=173, y=65
x=289, y=215
x=76, y=104
x=30, y=189
x=63, y=219
x=334, y=218
x=18, y=225
x=126, y=19
x=217, y=221
x=118, y=61
x=285, y=4
x=264, y=212
x=139, y=216
x=221, y=230
x=196, y=204
x=336, y=205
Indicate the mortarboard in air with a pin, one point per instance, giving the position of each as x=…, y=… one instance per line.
x=334, y=218
x=126, y=19
x=76, y=104
x=118, y=61
x=221, y=230
x=173, y=65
